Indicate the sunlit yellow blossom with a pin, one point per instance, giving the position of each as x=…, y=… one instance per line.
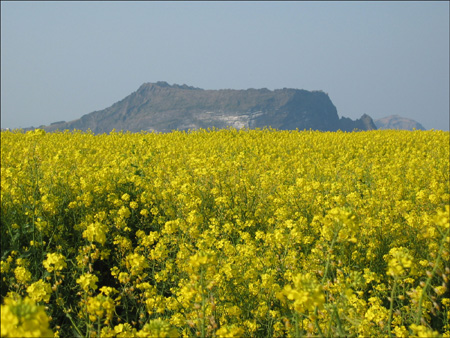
x=221, y=233
x=88, y=281
x=4, y=267
x=124, y=212
x=229, y=332
x=306, y=293
x=54, y=262
x=22, y=274
x=96, y=232
x=107, y=290
x=377, y=313
x=100, y=307
x=423, y=331
x=39, y=291
x=23, y=318
x=401, y=331
x=124, y=330
x=399, y=260
x=124, y=277
x=157, y=328
x=136, y=263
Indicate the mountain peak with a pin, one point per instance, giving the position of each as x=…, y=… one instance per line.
x=164, y=84
x=163, y=107
x=398, y=122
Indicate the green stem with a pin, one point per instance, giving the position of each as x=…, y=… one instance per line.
x=339, y=324
x=316, y=321
x=391, y=307
x=203, y=302
x=427, y=284
x=327, y=265
x=297, y=331
x=73, y=324
x=88, y=333
x=98, y=327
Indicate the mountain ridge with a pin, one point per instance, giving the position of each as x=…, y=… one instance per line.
x=398, y=122
x=162, y=107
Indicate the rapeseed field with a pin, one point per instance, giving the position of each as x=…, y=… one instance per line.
x=225, y=233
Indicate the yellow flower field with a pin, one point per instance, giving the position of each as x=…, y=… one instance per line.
x=225, y=233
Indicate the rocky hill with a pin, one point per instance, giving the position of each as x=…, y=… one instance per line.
x=398, y=122
x=162, y=107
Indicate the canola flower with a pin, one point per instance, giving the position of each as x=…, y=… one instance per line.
x=40, y=291
x=399, y=261
x=88, y=282
x=100, y=307
x=306, y=293
x=54, y=262
x=22, y=274
x=225, y=233
x=23, y=318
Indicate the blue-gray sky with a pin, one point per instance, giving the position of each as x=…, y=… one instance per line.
x=61, y=60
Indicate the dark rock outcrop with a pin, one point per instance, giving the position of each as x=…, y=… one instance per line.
x=162, y=107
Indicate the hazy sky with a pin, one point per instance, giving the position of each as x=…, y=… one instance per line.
x=61, y=60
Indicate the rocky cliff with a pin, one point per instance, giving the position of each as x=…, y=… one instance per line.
x=162, y=107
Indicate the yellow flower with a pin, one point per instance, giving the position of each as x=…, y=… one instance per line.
x=197, y=260
x=306, y=293
x=96, y=232
x=136, y=263
x=124, y=277
x=208, y=227
x=100, y=307
x=376, y=313
x=107, y=290
x=22, y=274
x=399, y=260
x=124, y=212
x=124, y=330
x=23, y=318
x=157, y=328
x=54, y=262
x=230, y=332
x=400, y=331
x=39, y=291
x=88, y=281
x=4, y=267
x=423, y=331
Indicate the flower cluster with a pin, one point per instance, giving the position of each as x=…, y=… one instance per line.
x=23, y=318
x=225, y=233
x=54, y=262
